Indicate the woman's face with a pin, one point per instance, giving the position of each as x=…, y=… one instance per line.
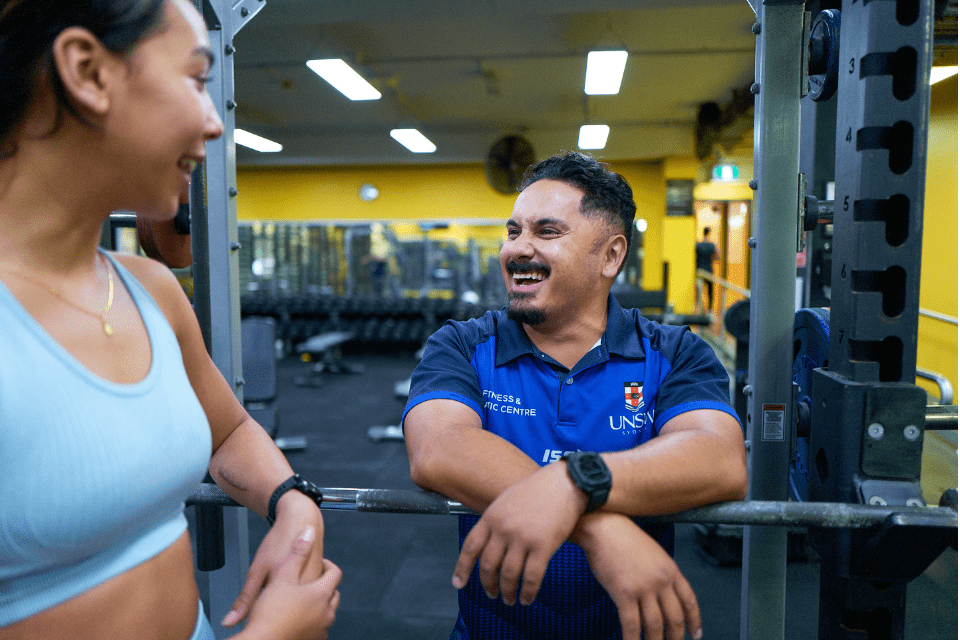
x=161, y=116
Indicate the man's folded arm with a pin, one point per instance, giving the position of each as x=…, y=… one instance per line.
x=452, y=454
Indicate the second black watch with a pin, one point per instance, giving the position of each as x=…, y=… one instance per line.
x=293, y=482
x=591, y=475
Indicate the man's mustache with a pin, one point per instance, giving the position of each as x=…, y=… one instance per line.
x=527, y=267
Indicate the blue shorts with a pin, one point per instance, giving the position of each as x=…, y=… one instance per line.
x=203, y=630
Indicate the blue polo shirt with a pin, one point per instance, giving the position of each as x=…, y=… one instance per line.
x=618, y=396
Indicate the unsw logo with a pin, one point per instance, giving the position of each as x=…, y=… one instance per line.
x=633, y=394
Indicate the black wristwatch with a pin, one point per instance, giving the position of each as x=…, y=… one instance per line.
x=591, y=475
x=293, y=482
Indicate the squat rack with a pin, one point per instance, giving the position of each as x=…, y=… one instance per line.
x=781, y=75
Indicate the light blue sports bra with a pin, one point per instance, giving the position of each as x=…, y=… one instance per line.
x=93, y=474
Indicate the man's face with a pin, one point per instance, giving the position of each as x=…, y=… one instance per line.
x=551, y=261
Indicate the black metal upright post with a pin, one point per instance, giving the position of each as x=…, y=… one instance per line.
x=867, y=414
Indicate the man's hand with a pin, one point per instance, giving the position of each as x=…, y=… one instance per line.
x=640, y=577
x=519, y=532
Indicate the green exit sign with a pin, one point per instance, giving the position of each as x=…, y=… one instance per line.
x=726, y=172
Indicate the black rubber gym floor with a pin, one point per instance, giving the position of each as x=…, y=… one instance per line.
x=397, y=568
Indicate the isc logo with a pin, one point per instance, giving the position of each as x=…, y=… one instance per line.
x=552, y=455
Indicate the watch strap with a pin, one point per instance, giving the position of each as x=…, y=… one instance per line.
x=591, y=475
x=293, y=482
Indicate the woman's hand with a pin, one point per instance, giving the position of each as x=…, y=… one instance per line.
x=294, y=606
x=295, y=513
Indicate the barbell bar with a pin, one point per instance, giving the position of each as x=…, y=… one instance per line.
x=829, y=515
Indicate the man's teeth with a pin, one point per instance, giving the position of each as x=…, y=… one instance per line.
x=527, y=276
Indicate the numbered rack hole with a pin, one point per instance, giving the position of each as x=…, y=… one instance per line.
x=897, y=139
x=890, y=284
x=907, y=11
x=901, y=65
x=894, y=212
x=887, y=353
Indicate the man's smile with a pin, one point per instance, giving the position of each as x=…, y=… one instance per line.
x=527, y=274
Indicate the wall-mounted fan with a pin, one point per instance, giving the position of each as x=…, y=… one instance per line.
x=508, y=158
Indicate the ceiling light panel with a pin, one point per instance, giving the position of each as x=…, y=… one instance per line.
x=344, y=79
x=941, y=73
x=593, y=136
x=604, y=72
x=255, y=142
x=413, y=140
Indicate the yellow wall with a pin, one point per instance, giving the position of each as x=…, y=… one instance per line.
x=449, y=192
x=679, y=237
x=937, y=341
x=649, y=192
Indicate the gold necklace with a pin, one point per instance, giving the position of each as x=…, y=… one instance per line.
x=102, y=317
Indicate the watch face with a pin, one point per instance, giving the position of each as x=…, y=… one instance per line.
x=592, y=469
x=309, y=489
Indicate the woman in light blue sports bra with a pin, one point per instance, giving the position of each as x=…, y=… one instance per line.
x=111, y=410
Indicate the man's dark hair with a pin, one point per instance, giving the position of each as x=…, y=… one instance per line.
x=605, y=192
x=706, y=231
x=28, y=29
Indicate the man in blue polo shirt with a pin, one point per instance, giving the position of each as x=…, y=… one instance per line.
x=564, y=419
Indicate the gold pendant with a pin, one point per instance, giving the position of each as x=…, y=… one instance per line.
x=107, y=328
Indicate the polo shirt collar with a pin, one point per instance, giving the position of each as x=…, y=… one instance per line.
x=512, y=340
x=620, y=336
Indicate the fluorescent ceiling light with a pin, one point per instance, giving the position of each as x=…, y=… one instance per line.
x=413, y=140
x=593, y=136
x=941, y=73
x=344, y=79
x=604, y=72
x=255, y=142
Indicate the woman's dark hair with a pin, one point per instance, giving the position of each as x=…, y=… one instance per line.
x=605, y=193
x=28, y=29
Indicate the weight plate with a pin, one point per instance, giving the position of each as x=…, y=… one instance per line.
x=811, y=347
x=824, y=49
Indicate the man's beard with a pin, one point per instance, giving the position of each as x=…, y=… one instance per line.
x=524, y=316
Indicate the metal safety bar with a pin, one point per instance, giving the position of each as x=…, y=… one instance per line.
x=941, y=417
x=939, y=316
x=943, y=384
x=754, y=512
x=726, y=284
x=720, y=337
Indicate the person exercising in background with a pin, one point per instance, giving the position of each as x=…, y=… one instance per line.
x=562, y=418
x=706, y=253
x=111, y=410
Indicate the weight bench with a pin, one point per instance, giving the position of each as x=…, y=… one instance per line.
x=324, y=348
